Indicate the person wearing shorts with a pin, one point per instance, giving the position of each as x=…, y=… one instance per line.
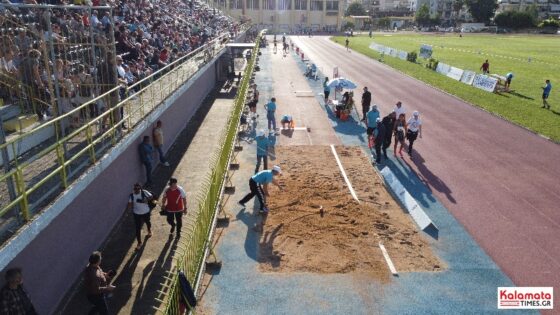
x=400, y=132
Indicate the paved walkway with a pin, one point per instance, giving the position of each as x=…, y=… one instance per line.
x=139, y=273
x=499, y=180
x=467, y=286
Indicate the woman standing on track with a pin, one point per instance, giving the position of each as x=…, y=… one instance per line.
x=414, y=126
x=400, y=131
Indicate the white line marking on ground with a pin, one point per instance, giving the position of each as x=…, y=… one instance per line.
x=388, y=260
x=300, y=128
x=352, y=192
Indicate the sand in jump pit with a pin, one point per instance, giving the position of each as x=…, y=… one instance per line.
x=297, y=238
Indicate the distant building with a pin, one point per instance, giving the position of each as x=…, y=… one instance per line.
x=389, y=7
x=287, y=15
x=546, y=8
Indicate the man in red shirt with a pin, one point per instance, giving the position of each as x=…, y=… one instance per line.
x=174, y=202
x=485, y=67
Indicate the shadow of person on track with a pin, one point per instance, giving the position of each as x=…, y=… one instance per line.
x=429, y=178
x=252, y=238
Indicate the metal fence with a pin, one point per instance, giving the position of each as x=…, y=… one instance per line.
x=196, y=242
x=33, y=179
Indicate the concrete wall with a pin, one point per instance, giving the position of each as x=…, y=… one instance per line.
x=55, y=256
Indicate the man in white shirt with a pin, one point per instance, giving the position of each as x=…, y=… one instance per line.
x=399, y=109
x=138, y=203
x=414, y=125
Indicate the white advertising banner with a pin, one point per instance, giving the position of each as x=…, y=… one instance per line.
x=394, y=53
x=485, y=82
x=443, y=68
x=468, y=77
x=455, y=73
x=403, y=55
x=425, y=51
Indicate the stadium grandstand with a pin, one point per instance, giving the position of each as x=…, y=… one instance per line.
x=76, y=80
x=58, y=57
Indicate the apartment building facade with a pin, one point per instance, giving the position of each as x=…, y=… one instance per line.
x=288, y=16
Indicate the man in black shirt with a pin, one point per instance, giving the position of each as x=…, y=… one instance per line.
x=389, y=124
x=366, y=102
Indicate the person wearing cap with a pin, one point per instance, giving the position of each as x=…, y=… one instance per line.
x=270, y=111
x=258, y=184
x=287, y=120
x=414, y=126
x=399, y=109
x=174, y=203
x=366, y=102
x=379, y=139
x=262, y=150
x=389, y=123
x=371, y=120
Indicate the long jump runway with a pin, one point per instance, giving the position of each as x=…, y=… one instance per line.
x=499, y=180
x=303, y=263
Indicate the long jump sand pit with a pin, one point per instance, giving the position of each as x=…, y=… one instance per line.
x=345, y=237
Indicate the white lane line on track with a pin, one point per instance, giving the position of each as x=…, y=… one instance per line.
x=388, y=260
x=352, y=192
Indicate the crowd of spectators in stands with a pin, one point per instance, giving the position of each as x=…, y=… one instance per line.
x=148, y=35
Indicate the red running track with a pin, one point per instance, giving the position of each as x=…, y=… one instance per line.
x=499, y=180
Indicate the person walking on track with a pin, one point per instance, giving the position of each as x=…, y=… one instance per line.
x=371, y=123
x=379, y=140
x=258, y=184
x=270, y=111
x=347, y=44
x=262, y=150
x=414, y=126
x=389, y=123
x=400, y=132
x=138, y=203
x=174, y=203
x=366, y=102
x=326, y=89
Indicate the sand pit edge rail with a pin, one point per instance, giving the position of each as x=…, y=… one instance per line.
x=195, y=243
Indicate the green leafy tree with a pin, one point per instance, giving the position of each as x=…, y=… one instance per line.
x=355, y=8
x=514, y=19
x=552, y=23
x=457, y=6
x=533, y=11
x=384, y=23
x=436, y=19
x=422, y=16
x=482, y=10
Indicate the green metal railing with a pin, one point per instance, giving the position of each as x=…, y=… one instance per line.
x=196, y=241
x=35, y=178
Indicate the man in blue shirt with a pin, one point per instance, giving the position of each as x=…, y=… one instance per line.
x=262, y=150
x=545, y=93
x=270, y=110
x=509, y=77
x=371, y=120
x=146, y=150
x=258, y=184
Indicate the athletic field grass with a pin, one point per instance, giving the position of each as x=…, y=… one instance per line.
x=505, y=53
